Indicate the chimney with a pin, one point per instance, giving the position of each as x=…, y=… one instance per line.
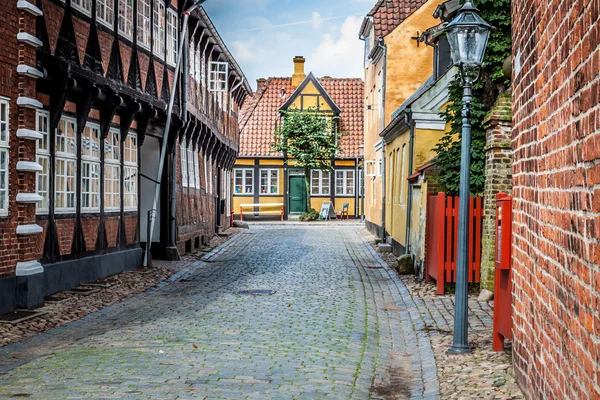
x=260, y=84
x=299, y=74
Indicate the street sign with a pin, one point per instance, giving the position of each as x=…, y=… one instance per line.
x=327, y=210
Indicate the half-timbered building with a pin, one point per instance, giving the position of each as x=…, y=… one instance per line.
x=84, y=88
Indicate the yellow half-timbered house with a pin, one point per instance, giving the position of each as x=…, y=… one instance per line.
x=266, y=184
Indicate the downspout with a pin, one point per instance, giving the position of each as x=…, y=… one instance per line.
x=411, y=149
x=184, y=105
x=383, y=183
x=163, y=151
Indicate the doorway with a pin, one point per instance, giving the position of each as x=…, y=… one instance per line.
x=297, y=195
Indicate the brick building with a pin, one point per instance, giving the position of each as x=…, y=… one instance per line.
x=84, y=87
x=556, y=188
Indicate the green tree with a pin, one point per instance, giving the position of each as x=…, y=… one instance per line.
x=486, y=90
x=310, y=139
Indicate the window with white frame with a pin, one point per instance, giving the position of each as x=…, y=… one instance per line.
x=244, y=181
x=42, y=119
x=90, y=168
x=198, y=75
x=112, y=170
x=126, y=18
x=65, y=166
x=210, y=175
x=184, y=164
x=218, y=76
x=403, y=177
x=143, y=23
x=319, y=182
x=158, y=25
x=191, y=166
x=370, y=168
x=130, y=172
x=197, y=170
x=105, y=13
x=344, y=182
x=84, y=6
x=4, y=150
x=228, y=191
x=171, y=37
x=269, y=181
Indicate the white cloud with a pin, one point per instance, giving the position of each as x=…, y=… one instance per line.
x=247, y=51
x=317, y=20
x=342, y=56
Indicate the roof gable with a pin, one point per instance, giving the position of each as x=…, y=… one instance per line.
x=308, y=87
x=260, y=114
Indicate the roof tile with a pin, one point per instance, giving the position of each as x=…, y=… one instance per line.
x=260, y=114
x=388, y=14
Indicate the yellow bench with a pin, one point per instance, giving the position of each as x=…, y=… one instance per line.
x=264, y=205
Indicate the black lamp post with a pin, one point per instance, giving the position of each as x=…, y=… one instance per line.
x=467, y=35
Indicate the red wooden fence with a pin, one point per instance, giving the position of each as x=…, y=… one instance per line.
x=441, y=241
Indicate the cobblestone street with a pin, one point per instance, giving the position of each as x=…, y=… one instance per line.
x=340, y=324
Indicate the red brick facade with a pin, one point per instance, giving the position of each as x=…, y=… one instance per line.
x=77, y=73
x=556, y=188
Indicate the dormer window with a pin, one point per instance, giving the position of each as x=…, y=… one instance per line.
x=218, y=76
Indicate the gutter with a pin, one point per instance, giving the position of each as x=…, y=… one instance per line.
x=411, y=150
x=383, y=185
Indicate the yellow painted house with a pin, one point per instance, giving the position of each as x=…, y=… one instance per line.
x=267, y=184
x=407, y=73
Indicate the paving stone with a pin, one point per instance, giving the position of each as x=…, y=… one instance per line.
x=340, y=325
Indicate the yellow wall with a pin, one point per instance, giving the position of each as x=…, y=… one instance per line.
x=397, y=153
x=310, y=102
x=345, y=163
x=241, y=161
x=408, y=67
x=270, y=162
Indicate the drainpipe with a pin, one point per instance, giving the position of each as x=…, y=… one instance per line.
x=383, y=183
x=411, y=149
x=163, y=151
x=185, y=81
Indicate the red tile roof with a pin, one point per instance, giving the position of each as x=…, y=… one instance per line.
x=260, y=114
x=388, y=14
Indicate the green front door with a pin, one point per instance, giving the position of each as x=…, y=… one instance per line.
x=297, y=194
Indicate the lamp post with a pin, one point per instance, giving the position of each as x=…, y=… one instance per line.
x=467, y=35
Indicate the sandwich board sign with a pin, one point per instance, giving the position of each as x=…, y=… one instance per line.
x=327, y=210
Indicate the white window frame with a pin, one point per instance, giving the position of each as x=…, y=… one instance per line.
x=130, y=172
x=370, y=168
x=112, y=164
x=144, y=29
x=196, y=170
x=269, y=186
x=105, y=13
x=42, y=182
x=228, y=185
x=190, y=166
x=210, y=175
x=217, y=81
x=172, y=36
x=125, y=21
x=158, y=27
x=4, y=152
x=345, y=176
x=184, y=163
x=81, y=6
x=320, y=189
x=67, y=158
x=245, y=174
x=90, y=168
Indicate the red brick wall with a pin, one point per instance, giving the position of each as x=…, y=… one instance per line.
x=9, y=88
x=556, y=178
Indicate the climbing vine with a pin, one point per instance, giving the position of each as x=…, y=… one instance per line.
x=492, y=82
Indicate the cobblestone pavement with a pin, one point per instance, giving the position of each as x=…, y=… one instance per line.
x=340, y=325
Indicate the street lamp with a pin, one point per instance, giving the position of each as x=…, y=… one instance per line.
x=467, y=35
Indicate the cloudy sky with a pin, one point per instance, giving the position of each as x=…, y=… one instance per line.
x=265, y=35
